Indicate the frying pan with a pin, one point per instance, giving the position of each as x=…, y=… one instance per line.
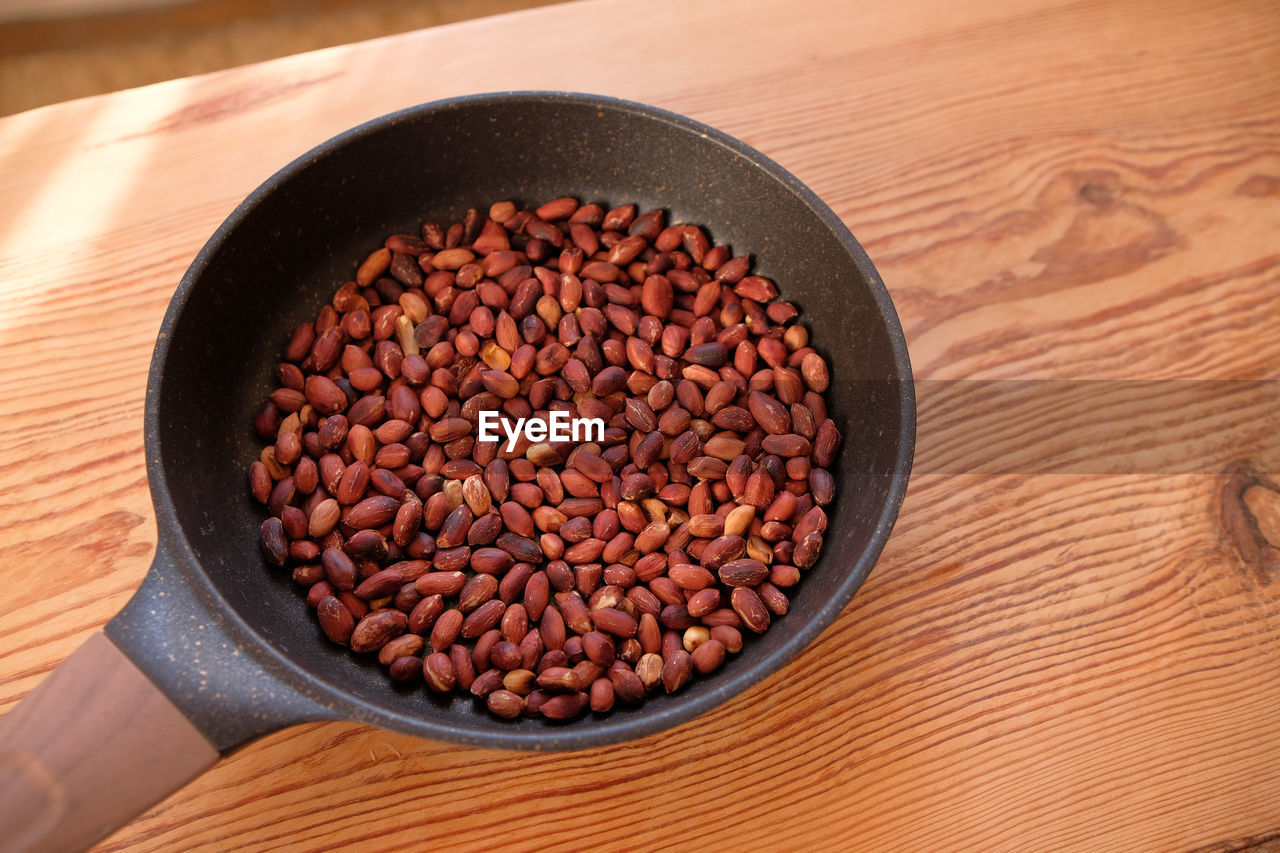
x=216, y=649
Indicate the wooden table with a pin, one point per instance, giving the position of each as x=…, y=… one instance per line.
x=1066, y=660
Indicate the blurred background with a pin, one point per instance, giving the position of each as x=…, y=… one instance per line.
x=55, y=50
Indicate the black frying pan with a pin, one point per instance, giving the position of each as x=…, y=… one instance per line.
x=227, y=646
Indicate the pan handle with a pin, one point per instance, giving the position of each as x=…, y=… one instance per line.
x=94, y=745
x=227, y=681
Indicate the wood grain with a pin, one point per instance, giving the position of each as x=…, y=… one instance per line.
x=1052, y=661
x=56, y=55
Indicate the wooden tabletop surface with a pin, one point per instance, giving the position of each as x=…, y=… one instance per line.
x=1045, y=658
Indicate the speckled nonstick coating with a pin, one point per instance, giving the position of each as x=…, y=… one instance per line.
x=230, y=640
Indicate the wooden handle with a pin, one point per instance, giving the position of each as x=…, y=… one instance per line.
x=92, y=747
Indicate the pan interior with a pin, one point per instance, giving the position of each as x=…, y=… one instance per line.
x=284, y=252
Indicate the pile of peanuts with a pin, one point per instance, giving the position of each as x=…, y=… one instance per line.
x=551, y=577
